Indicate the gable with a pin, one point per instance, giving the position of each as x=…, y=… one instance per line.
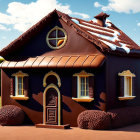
x=36, y=45
x=35, y=52
x=35, y=34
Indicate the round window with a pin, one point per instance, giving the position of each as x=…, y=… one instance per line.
x=56, y=38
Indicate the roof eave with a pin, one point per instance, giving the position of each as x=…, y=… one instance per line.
x=121, y=52
x=25, y=37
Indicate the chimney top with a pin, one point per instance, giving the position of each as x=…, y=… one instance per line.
x=101, y=18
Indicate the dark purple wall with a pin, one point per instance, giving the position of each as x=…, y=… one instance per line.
x=115, y=65
x=36, y=89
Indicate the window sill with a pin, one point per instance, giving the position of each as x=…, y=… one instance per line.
x=83, y=100
x=126, y=98
x=19, y=98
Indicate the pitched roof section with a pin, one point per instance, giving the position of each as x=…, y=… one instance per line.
x=108, y=39
x=34, y=30
x=57, y=61
x=109, y=35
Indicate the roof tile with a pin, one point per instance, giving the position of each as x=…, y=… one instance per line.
x=45, y=61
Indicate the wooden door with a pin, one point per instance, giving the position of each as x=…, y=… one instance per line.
x=52, y=107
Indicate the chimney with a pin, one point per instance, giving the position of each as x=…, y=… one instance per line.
x=101, y=19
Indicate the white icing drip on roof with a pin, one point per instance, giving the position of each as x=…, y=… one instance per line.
x=75, y=21
x=113, y=46
x=125, y=48
x=95, y=29
x=102, y=36
x=107, y=23
x=97, y=26
x=114, y=38
x=94, y=20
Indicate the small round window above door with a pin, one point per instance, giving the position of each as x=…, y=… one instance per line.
x=56, y=38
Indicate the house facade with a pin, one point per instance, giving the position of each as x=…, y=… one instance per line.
x=62, y=66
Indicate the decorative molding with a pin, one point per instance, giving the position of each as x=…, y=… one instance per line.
x=51, y=73
x=19, y=97
x=66, y=126
x=127, y=73
x=20, y=73
x=127, y=98
x=61, y=38
x=83, y=100
x=83, y=73
x=44, y=103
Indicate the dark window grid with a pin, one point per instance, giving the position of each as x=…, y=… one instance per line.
x=84, y=86
x=20, y=85
x=56, y=38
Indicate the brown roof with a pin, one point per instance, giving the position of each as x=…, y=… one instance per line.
x=112, y=37
x=56, y=61
x=108, y=39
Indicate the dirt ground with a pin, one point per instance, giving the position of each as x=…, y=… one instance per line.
x=33, y=133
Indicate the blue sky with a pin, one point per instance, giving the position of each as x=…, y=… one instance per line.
x=16, y=16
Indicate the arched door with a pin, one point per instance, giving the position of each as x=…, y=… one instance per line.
x=52, y=106
x=52, y=100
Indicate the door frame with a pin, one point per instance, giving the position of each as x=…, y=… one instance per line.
x=44, y=103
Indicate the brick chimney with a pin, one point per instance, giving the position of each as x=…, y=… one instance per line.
x=101, y=19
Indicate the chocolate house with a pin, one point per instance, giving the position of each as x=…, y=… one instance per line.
x=63, y=65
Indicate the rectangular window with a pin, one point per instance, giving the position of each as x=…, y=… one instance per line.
x=20, y=85
x=128, y=86
x=84, y=87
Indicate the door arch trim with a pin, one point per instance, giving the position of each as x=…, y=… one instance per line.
x=44, y=102
x=49, y=74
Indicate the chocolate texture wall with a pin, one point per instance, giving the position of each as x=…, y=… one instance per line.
x=37, y=46
x=70, y=109
x=115, y=65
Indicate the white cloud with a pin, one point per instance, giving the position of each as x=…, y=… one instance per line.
x=97, y=4
x=2, y=27
x=81, y=14
x=3, y=37
x=138, y=24
x=125, y=6
x=22, y=16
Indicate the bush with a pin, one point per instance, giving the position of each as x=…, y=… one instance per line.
x=11, y=115
x=124, y=116
x=94, y=119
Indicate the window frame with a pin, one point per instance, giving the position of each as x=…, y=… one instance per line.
x=79, y=97
x=16, y=96
x=127, y=86
x=56, y=38
x=85, y=87
x=127, y=74
x=17, y=86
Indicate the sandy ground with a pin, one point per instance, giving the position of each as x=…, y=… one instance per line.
x=33, y=133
